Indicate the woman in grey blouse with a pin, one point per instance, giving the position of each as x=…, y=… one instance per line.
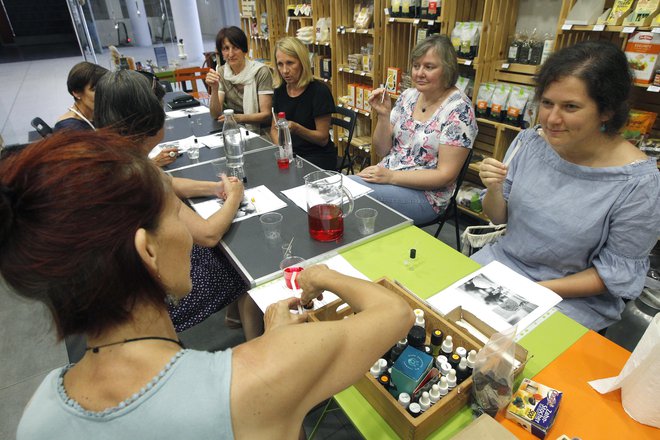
x=581, y=203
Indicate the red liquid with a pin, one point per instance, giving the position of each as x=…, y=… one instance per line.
x=283, y=164
x=288, y=274
x=325, y=222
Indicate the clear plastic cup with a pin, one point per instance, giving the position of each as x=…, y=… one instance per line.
x=366, y=220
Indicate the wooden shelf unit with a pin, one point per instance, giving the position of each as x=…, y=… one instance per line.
x=349, y=40
x=640, y=97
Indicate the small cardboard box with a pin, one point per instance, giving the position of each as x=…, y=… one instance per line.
x=366, y=92
x=410, y=369
x=351, y=88
x=393, y=81
x=359, y=97
x=405, y=425
x=642, y=52
x=534, y=407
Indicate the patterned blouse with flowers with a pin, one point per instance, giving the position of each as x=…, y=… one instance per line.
x=415, y=144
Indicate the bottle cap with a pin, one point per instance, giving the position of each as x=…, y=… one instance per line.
x=427, y=350
x=471, y=358
x=434, y=394
x=227, y=111
x=404, y=400
x=445, y=368
x=384, y=380
x=375, y=370
x=402, y=343
x=418, y=312
x=462, y=365
x=451, y=378
x=413, y=253
x=419, y=321
x=382, y=364
x=414, y=409
x=447, y=345
x=461, y=352
x=455, y=359
x=436, y=337
x=281, y=115
x=439, y=360
x=425, y=401
x=416, y=336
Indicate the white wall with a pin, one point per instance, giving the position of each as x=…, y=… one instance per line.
x=539, y=14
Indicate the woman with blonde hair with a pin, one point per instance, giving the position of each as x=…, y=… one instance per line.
x=307, y=103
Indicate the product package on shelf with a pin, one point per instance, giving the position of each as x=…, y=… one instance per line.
x=393, y=81
x=619, y=12
x=465, y=38
x=363, y=14
x=638, y=126
x=644, y=13
x=642, y=52
x=432, y=329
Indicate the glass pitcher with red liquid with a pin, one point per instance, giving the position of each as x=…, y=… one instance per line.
x=326, y=197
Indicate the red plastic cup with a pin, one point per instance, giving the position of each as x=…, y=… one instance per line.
x=291, y=268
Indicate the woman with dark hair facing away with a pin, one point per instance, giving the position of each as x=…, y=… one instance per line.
x=81, y=84
x=425, y=138
x=104, y=258
x=125, y=103
x=241, y=84
x=582, y=205
x=307, y=103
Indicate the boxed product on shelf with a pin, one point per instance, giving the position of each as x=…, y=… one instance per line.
x=401, y=421
x=484, y=96
x=326, y=67
x=359, y=97
x=363, y=14
x=429, y=10
x=644, y=13
x=498, y=102
x=393, y=80
x=366, y=90
x=351, y=94
x=469, y=195
x=619, y=11
x=248, y=8
x=534, y=407
x=642, y=51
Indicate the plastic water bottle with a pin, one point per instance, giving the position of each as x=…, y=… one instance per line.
x=284, y=135
x=233, y=145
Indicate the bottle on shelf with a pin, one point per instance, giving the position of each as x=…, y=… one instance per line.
x=284, y=135
x=233, y=140
x=395, y=8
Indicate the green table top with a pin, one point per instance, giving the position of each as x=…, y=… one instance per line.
x=438, y=266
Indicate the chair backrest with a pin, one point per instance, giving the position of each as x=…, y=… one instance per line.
x=190, y=74
x=461, y=175
x=42, y=128
x=349, y=124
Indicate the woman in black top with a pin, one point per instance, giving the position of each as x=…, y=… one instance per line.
x=307, y=103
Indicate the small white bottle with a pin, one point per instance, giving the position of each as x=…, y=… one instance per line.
x=434, y=394
x=425, y=401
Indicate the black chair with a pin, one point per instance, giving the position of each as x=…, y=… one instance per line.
x=452, y=208
x=345, y=161
x=42, y=128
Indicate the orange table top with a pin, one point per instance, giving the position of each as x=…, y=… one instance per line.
x=583, y=411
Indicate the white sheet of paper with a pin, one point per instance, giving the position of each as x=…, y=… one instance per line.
x=276, y=290
x=298, y=196
x=184, y=112
x=263, y=200
x=498, y=296
x=212, y=141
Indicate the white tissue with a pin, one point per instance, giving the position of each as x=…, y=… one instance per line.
x=640, y=379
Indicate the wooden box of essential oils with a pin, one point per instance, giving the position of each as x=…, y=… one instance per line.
x=376, y=390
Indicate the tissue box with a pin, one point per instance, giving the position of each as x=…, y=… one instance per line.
x=534, y=407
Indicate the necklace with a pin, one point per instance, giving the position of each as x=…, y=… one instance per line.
x=144, y=338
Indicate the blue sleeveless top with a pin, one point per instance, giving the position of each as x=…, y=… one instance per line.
x=188, y=399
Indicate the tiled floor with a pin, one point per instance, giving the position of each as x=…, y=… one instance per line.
x=27, y=343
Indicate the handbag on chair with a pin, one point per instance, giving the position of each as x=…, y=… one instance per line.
x=476, y=237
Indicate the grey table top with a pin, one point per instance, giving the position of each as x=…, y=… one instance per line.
x=256, y=258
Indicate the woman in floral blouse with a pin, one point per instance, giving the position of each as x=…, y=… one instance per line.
x=431, y=129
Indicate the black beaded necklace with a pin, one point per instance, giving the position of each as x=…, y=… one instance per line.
x=144, y=338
